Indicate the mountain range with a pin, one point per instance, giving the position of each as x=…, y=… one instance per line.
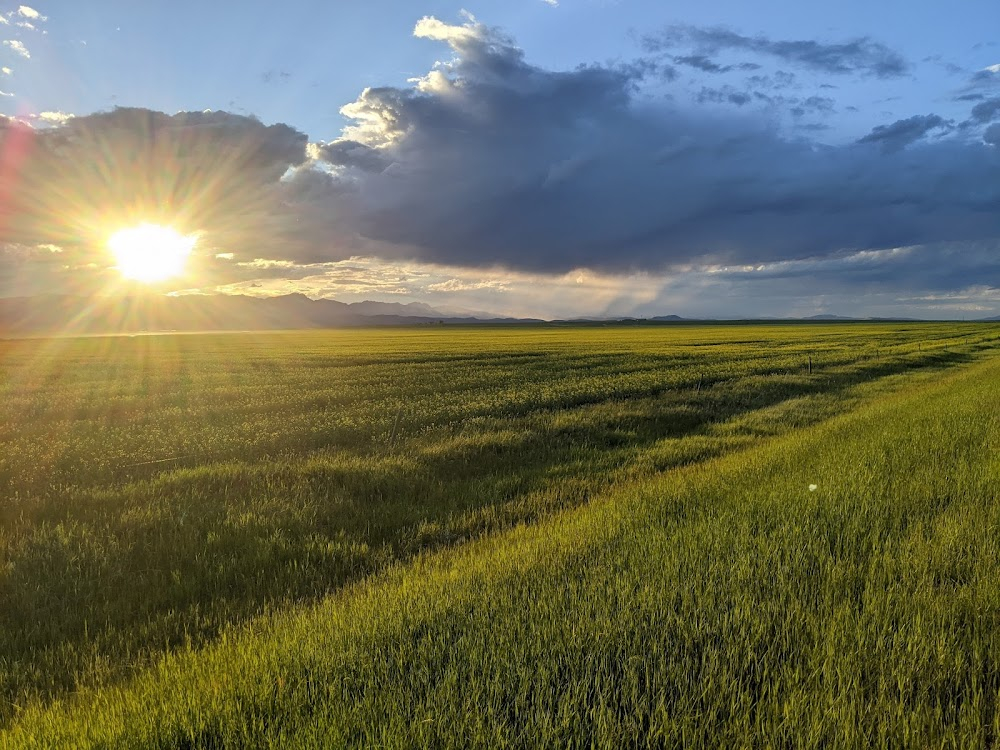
x=63, y=314
x=50, y=314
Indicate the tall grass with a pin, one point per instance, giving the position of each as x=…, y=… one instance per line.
x=691, y=607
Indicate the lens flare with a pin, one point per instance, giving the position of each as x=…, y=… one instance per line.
x=150, y=252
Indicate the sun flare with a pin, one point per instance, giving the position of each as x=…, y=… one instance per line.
x=150, y=252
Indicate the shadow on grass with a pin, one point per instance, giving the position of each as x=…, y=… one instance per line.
x=102, y=580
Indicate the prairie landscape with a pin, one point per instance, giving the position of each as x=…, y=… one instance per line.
x=370, y=380
x=673, y=535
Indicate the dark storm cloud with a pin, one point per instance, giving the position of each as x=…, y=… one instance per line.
x=212, y=172
x=949, y=280
x=983, y=84
x=353, y=154
x=725, y=94
x=934, y=268
x=863, y=56
x=817, y=105
x=795, y=106
x=986, y=111
x=707, y=65
x=986, y=78
x=902, y=133
x=491, y=160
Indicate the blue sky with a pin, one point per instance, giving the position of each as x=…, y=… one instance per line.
x=301, y=62
x=505, y=143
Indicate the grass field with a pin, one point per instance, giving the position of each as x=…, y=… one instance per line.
x=503, y=537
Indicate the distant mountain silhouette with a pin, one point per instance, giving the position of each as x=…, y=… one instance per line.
x=845, y=319
x=50, y=314
x=410, y=309
x=63, y=314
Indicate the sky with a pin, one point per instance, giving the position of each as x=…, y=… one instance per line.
x=527, y=157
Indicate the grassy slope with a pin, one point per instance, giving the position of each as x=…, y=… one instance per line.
x=724, y=604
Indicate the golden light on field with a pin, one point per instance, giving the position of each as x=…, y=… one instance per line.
x=150, y=252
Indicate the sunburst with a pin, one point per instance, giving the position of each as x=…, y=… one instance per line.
x=150, y=252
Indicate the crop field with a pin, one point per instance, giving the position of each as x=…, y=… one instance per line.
x=686, y=536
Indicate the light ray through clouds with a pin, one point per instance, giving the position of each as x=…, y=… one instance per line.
x=487, y=178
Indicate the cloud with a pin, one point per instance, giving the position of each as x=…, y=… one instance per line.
x=986, y=111
x=707, y=65
x=862, y=56
x=992, y=135
x=818, y=104
x=983, y=81
x=17, y=47
x=902, y=133
x=726, y=94
x=212, y=172
x=490, y=160
x=780, y=79
x=273, y=76
x=463, y=285
x=946, y=65
x=551, y=3
x=461, y=290
x=943, y=280
x=55, y=117
x=935, y=268
x=492, y=164
x=27, y=12
x=347, y=153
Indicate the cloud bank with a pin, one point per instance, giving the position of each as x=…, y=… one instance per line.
x=72, y=183
x=490, y=162
x=862, y=55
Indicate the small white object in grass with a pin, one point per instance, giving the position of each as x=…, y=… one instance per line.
x=812, y=487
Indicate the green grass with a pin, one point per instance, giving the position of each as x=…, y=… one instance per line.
x=661, y=594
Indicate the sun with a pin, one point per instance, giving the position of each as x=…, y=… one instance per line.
x=150, y=252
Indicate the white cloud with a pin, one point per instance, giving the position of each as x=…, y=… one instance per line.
x=265, y=263
x=552, y=3
x=464, y=285
x=55, y=117
x=494, y=290
x=6, y=71
x=429, y=27
x=5, y=93
x=25, y=25
x=28, y=12
x=18, y=47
